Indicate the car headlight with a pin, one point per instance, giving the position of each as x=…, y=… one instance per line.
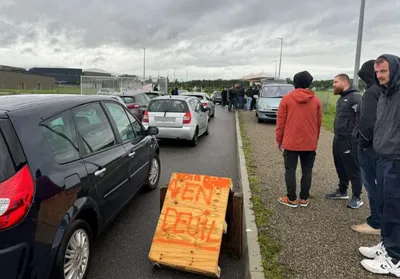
x=263, y=106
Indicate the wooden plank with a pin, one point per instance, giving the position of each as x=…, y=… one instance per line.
x=232, y=242
x=238, y=229
x=190, y=228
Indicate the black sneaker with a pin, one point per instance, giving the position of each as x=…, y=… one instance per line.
x=337, y=195
x=355, y=203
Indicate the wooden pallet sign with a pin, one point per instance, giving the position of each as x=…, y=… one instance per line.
x=191, y=224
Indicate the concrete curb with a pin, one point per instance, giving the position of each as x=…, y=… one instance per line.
x=252, y=254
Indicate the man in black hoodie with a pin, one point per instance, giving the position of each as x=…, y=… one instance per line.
x=387, y=146
x=345, y=150
x=364, y=131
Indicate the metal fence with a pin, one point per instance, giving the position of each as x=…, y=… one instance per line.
x=91, y=85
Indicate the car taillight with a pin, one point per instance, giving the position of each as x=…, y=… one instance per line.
x=205, y=104
x=145, y=117
x=187, y=118
x=132, y=106
x=16, y=195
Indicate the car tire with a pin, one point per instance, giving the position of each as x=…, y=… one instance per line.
x=195, y=139
x=81, y=228
x=256, y=114
x=259, y=120
x=206, y=133
x=153, y=176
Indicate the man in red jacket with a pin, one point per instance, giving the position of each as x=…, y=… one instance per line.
x=297, y=133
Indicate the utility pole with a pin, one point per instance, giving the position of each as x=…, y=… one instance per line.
x=280, y=59
x=174, y=75
x=144, y=66
x=359, y=43
x=276, y=65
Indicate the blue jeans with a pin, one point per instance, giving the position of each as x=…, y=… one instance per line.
x=388, y=173
x=368, y=163
x=241, y=99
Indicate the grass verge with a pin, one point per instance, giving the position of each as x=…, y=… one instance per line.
x=328, y=116
x=270, y=248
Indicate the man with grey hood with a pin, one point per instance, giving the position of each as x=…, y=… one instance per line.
x=364, y=132
x=384, y=258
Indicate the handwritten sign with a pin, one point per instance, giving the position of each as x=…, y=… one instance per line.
x=189, y=231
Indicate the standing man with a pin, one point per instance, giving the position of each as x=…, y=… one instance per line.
x=385, y=257
x=297, y=132
x=366, y=116
x=224, y=96
x=345, y=147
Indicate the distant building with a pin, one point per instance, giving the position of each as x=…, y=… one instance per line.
x=18, y=80
x=96, y=74
x=61, y=75
x=12, y=69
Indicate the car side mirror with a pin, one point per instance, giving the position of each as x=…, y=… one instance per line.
x=152, y=131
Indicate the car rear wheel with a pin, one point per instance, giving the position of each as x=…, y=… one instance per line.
x=73, y=257
x=195, y=139
x=153, y=176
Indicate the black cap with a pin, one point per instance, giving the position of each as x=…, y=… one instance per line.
x=302, y=79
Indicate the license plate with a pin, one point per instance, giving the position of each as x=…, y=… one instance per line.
x=165, y=119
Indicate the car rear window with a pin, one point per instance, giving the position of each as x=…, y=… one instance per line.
x=7, y=168
x=128, y=100
x=168, y=105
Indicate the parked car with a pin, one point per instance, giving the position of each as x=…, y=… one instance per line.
x=177, y=117
x=217, y=97
x=269, y=99
x=155, y=94
x=106, y=91
x=68, y=165
x=136, y=103
x=205, y=101
x=117, y=98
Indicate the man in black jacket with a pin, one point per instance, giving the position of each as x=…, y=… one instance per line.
x=364, y=131
x=345, y=153
x=387, y=146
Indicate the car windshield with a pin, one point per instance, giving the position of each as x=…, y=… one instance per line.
x=275, y=91
x=217, y=94
x=167, y=105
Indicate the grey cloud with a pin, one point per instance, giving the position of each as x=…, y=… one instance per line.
x=27, y=50
x=192, y=33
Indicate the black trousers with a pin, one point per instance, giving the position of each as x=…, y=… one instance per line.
x=253, y=103
x=307, y=159
x=345, y=156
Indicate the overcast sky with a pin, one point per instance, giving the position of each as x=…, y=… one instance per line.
x=206, y=39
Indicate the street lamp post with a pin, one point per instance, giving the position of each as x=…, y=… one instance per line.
x=359, y=43
x=276, y=64
x=280, y=59
x=144, y=66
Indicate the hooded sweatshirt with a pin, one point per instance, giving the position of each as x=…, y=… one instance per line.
x=346, y=107
x=387, y=127
x=299, y=117
x=366, y=112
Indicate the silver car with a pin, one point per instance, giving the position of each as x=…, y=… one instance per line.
x=177, y=117
x=206, y=101
x=269, y=99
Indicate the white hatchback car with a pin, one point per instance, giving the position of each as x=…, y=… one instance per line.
x=177, y=117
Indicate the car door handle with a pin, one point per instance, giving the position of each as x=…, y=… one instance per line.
x=100, y=172
x=132, y=154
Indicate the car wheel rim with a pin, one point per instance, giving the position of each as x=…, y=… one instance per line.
x=154, y=171
x=77, y=255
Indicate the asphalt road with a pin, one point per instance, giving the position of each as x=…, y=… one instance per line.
x=122, y=251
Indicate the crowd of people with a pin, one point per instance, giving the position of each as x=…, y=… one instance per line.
x=366, y=151
x=240, y=98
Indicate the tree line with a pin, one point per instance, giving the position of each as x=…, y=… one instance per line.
x=219, y=84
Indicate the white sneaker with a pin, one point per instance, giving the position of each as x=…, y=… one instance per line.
x=373, y=252
x=382, y=265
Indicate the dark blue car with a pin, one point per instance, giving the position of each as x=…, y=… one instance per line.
x=68, y=165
